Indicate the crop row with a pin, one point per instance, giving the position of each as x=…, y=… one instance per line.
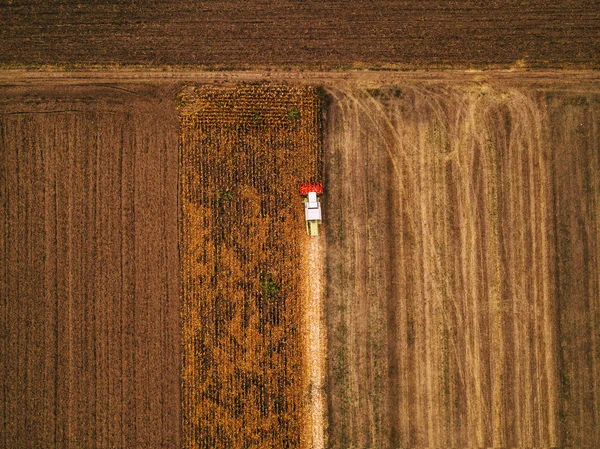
x=245, y=149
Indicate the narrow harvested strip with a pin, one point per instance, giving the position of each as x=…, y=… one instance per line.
x=315, y=343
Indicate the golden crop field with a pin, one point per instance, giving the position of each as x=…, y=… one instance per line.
x=245, y=150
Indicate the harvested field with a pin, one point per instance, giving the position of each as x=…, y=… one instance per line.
x=310, y=33
x=89, y=273
x=245, y=150
x=463, y=266
x=462, y=227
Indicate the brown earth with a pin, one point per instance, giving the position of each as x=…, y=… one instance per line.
x=310, y=33
x=463, y=230
x=89, y=268
x=572, y=80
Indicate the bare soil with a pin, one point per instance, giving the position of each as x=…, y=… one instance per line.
x=462, y=266
x=310, y=33
x=89, y=277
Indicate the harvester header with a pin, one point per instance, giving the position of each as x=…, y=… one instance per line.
x=316, y=187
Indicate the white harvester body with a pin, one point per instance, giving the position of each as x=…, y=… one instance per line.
x=312, y=208
x=312, y=213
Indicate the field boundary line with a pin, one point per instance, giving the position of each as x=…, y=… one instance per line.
x=363, y=78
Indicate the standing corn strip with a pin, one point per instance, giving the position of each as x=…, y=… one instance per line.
x=245, y=150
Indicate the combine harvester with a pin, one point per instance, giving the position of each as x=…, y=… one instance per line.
x=312, y=207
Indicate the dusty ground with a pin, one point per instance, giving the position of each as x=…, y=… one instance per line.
x=463, y=281
x=577, y=80
x=89, y=278
x=308, y=33
x=315, y=341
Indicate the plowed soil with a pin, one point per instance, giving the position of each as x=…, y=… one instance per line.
x=310, y=33
x=463, y=281
x=89, y=278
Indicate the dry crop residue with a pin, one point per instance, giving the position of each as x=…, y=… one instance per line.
x=463, y=280
x=245, y=151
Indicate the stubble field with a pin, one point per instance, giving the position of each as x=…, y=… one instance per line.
x=463, y=282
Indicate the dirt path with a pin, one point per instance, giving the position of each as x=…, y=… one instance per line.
x=574, y=80
x=315, y=343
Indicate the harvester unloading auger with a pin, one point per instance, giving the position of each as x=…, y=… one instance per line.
x=312, y=207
